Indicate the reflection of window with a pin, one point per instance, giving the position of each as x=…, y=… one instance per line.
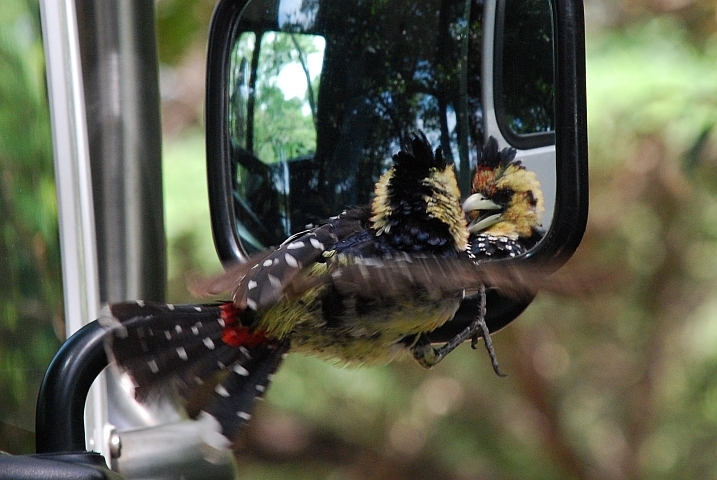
x=274, y=82
x=273, y=100
x=525, y=85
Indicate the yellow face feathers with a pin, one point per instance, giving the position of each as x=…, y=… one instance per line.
x=506, y=198
x=381, y=207
x=442, y=203
x=526, y=207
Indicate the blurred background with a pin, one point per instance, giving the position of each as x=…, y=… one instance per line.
x=620, y=383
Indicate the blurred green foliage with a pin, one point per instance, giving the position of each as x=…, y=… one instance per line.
x=182, y=25
x=30, y=279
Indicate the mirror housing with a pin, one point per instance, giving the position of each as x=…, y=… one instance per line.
x=566, y=140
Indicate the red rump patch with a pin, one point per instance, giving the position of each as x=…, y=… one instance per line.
x=235, y=334
x=230, y=313
x=238, y=336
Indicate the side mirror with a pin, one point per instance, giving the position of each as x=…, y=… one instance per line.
x=307, y=101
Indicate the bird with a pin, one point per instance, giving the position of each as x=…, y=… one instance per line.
x=505, y=206
x=363, y=288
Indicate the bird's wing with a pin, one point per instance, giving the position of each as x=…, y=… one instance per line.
x=438, y=277
x=263, y=280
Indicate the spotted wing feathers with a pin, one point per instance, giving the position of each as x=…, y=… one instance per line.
x=266, y=282
x=263, y=280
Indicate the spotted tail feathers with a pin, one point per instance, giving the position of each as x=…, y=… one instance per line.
x=182, y=347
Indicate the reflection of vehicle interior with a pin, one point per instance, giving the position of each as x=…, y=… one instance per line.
x=364, y=90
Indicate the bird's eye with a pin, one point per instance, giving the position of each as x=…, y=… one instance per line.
x=503, y=196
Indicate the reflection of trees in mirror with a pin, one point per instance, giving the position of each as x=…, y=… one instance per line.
x=528, y=85
x=268, y=118
x=388, y=69
x=403, y=73
x=271, y=122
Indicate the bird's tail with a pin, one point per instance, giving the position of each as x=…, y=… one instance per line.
x=183, y=349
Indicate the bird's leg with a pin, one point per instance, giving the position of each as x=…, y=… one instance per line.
x=479, y=323
x=427, y=355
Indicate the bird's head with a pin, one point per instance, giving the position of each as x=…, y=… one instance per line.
x=506, y=199
x=417, y=201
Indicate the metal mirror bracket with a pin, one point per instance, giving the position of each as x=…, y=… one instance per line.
x=172, y=450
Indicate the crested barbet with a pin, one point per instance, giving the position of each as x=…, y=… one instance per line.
x=505, y=207
x=365, y=287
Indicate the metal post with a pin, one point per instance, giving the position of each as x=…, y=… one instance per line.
x=120, y=70
x=74, y=193
x=102, y=71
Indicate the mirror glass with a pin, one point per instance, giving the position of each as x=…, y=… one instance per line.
x=322, y=92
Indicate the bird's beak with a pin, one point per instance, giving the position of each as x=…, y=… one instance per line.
x=479, y=202
x=477, y=205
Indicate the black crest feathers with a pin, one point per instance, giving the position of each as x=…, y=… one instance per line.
x=491, y=157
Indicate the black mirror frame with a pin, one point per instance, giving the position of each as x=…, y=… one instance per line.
x=571, y=135
x=571, y=202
